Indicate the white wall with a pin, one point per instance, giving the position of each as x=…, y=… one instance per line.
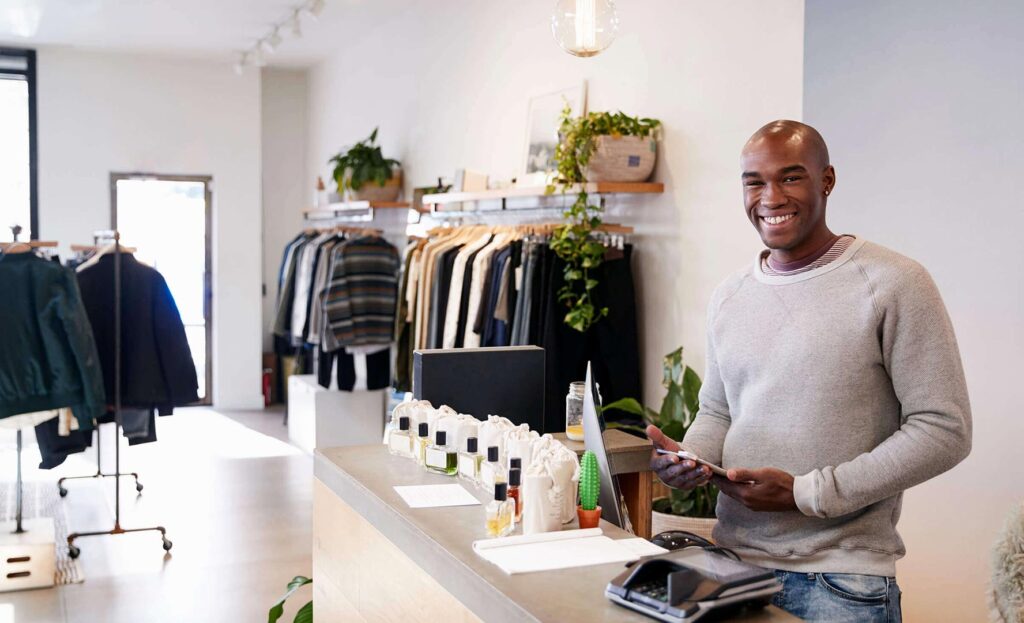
x=448, y=82
x=920, y=103
x=287, y=187
x=101, y=112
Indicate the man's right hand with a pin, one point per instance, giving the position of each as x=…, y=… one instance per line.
x=674, y=471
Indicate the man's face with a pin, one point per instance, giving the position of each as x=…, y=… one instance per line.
x=784, y=184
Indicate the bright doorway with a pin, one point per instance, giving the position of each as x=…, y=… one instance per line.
x=167, y=218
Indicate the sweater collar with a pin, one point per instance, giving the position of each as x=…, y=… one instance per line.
x=778, y=280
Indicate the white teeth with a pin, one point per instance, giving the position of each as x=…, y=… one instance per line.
x=775, y=220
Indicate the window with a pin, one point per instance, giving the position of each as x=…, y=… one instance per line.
x=18, y=189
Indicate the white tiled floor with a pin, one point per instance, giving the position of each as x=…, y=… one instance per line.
x=236, y=500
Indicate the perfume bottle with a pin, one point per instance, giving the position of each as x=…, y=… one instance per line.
x=400, y=441
x=420, y=443
x=439, y=457
x=499, y=512
x=515, y=462
x=515, y=476
x=492, y=471
x=470, y=460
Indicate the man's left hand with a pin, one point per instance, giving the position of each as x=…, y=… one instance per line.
x=765, y=489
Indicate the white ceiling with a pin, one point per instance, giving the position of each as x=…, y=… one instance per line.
x=214, y=29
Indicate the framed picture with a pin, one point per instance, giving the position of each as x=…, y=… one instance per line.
x=542, y=123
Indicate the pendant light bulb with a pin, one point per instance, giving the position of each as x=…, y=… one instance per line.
x=584, y=27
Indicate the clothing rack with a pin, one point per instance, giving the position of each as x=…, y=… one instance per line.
x=61, y=489
x=19, y=485
x=73, y=550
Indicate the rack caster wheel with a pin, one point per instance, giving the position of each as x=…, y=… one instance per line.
x=138, y=486
x=167, y=544
x=73, y=552
x=62, y=491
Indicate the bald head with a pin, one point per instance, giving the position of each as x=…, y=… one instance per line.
x=793, y=134
x=787, y=179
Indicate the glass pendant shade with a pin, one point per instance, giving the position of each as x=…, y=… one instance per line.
x=584, y=27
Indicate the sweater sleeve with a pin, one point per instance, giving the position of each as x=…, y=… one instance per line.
x=706, y=434
x=920, y=354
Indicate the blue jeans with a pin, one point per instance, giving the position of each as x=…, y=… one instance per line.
x=839, y=597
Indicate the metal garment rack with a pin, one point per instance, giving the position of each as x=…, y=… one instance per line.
x=61, y=489
x=73, y=550
x=19, y=482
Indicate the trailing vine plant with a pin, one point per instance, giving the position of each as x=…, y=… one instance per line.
x=573, y=242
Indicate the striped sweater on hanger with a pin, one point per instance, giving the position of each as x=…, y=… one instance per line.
x=360, y=301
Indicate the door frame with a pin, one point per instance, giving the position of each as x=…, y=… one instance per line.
x=207, y=181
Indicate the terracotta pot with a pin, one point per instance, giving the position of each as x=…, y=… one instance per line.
x=621, y=159
x=372, y=192
x=701, y=526
x=588, y=519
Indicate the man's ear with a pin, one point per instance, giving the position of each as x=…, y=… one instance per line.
x=828, y=179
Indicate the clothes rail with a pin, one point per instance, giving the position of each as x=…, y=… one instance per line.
x=73, y=550
x=21, y=247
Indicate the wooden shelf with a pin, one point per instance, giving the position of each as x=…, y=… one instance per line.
x=339, y=209
x=539, y=191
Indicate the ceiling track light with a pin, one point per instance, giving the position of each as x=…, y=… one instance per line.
x=272, y=41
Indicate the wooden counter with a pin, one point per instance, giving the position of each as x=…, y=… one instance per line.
x=374, y=559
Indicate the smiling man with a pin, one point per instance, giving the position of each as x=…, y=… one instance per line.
x=833, y=384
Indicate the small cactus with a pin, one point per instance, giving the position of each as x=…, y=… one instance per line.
x=590, y=481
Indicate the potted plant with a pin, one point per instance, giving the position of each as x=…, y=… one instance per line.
x=363, y=172
x=305, y=613
x=598, y=146
x=694, y=510
x=588, y=512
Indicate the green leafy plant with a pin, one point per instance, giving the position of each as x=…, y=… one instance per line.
x=305, y=613
x=362, y=163
x=573, y=242
x=678, y=410
x=590, y=481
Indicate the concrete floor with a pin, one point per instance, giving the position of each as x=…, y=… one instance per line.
x=235, y=497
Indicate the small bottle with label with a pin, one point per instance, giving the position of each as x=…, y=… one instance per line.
x=499, y=512
x=515, y=476
x=420, y=443
x=492, y=471
x=400, y=441
x=470, y=460
x=439, y=457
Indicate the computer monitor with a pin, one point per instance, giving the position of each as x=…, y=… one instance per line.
x=613, y=507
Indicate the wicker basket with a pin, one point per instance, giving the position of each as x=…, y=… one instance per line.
x=372, y=192
x=621, y=159
x=662, y=522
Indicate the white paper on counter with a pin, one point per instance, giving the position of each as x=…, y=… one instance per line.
x=552, y=550
x=641, y=547
x=436, y=496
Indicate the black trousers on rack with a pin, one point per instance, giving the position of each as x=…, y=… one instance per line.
x=611, y=344
x=378, y=369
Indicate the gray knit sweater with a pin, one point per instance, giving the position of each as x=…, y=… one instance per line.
x=848, y=377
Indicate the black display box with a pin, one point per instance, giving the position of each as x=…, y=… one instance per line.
x=506, y=381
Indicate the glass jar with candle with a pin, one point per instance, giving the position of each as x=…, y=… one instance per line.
x=574, y=411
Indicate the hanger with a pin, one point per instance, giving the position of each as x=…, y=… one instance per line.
x=26, y=246
x=100, y=252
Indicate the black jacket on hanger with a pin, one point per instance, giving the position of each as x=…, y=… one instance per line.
x=48, y=358
x=157, y=370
